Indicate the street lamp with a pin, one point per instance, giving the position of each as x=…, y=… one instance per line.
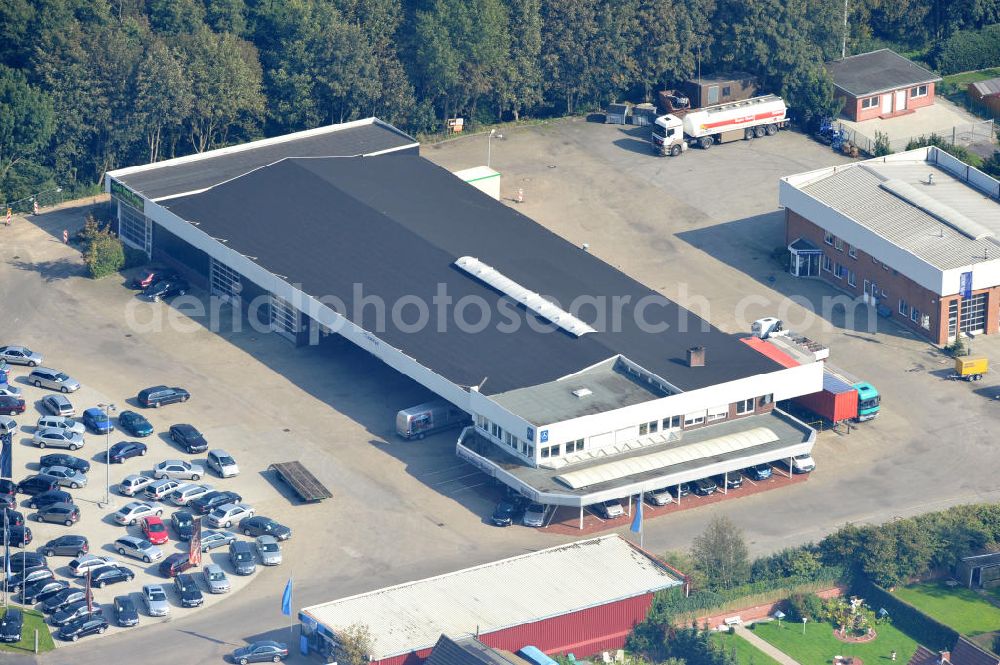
x=804, y=620
x=108, y=410
x=489, y=147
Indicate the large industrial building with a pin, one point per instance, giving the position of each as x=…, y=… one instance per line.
x=915, y=234
x=599, y=389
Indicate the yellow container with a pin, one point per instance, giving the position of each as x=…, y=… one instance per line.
x=969, y=365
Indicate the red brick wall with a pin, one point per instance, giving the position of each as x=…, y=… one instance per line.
x=853, y=110
x=757, y=612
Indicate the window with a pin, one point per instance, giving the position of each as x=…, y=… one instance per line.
x=726, y=91
x=828, y=237
x=524, y=447
x=531, y=451
x=838, y=271
x=653, y=426
x=904, y=309
x=827, y=263
x=643, y=429
x=915, y=315
x=497, y=432
x=555, y=451
x=852, y=278
x=745, y=406
x=482, y=423
x=574, y=446
x=869, y=102
x=720, y=412
x=852, y=251
x=694, y=418
x=838, y=244
x=918, y=91
x=510, y=440
x=925, y=322
x=545, y=452
x=672, y=422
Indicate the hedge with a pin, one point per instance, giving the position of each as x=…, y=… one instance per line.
x=928, y=631
x=966, y=50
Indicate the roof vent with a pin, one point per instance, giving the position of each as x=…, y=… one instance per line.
x=943, y=213
x=580, y=393
x=696, y=356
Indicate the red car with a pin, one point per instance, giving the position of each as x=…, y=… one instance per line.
x=11, y=406
x=154, y=529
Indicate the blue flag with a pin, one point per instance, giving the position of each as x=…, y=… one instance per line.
x=6, y=455
x=286, y=599
x=637, y=520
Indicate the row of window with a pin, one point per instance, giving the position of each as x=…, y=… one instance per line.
x=554, y=451
x=838, y=244
x=514, y=443
x=840, y=271
x=873, y=102
x=907, y=310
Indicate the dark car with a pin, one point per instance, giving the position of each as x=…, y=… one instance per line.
x=8, y=486
x=159, y=395
x=166, y=288
x=46, y=499
x=124, y=450
x=17, y=580
x=188, y=437
x=241, y=556
x=205, y=504
x=105, y=575
x=8, y=501
x=187, y=589
x=258, y=525
x=11, y=406
x=64, y=598
x=759, y=472
x=16, y=535
x=705, y=487
x=97, y=420
x=10, y=517
x=83, y=626
x=504, y=514
x=73, y=612
x=183, y=523
x=680, y=490
x=11, y=625
x=42, y=590
x=126, y=613
x=733, y=480
x=175, y=564
x=58, y=513
x=151, y=276
x=68, y=545
x=62, y=459
x=37, y=484
x=21, y=561
x=134, y=424
x=266, y=651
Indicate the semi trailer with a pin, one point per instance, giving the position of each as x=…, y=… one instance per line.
x=756, y=117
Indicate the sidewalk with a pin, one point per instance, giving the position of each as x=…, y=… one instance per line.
x=764, y=646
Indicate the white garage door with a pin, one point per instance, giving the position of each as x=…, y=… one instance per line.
x=284, y=318
x=225, y=281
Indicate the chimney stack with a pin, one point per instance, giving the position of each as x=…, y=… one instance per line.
x=696, y=356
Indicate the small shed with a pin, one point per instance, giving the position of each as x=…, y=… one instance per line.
x=720, y=89
x=617, y=114
x=979, y=571
x=986, y=94
x=643, y=114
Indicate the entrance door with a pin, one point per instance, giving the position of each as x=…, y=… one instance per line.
x=805, y=263
x=887, y=103
x=900, y=100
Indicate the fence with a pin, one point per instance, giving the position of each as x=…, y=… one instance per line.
x=906, y=617
x=964, y=135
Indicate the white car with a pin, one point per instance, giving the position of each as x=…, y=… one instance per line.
x=61, y=422
x=159, y=490
x=138, y=548
x=133, y=483
x=20, y=355
x=222, y=463
x=659, y=497
x=178, y=469
x=57, y=438
x=80, y=565
x=155, y=599
x=134, y=511
x=226, y=515
x=189, y=492
x=67, y=477
x=8, y=390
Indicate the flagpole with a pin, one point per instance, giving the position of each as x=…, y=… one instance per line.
x=6, y=556
x=642, y=527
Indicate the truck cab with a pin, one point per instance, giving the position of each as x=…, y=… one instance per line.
x=668, y=136
x=868, y=401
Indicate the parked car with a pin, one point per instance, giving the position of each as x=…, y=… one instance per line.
x=241, y=556
x=8, y=500
x=138, y=548
x=11, y=625
x=57, y=438
x=20, y=561
x=758, y=472
x=226, y=514
x=175, y=564
x=151, y=276
x=258, y=525
x=45, y=499
x=222, y=463
x=61, y=422
x=58, y=513
x=15, y=535
x=166, y=288
x=732, y=480
x=71, y=612
x=134, y=424
x=658, y=497
x=133, y=483
x=183, y=523
x=113, y=574
x=126, y=614
x=20, y=355
x=11, y=406
x=134, y=511
x=681, y=490
x=42, y=590
x=53, y=379
x=15, y=581
x=65, y=476
x=178, y=469
x=83, y=626
x=534, y=515
x=11, y=517
x=260, y=652
x=80, y=565
x=705, y=487
x=7, y=390
x=157, y=396
x=36, y=484
x=187, y=589
x=268, y=550
x=124, y=450
x=8, y=487
x=211, y=539
x=215, y=578
x=67, y=545
x=213, y=500
x=63, y=599
x=188, y=437
x=62, y=459
x=97, y=420
x=8, y=425
x=505, y=513
x=803, y=463
x=189, y=492
x=610, y=509
x=158, y=490
x=155, y=599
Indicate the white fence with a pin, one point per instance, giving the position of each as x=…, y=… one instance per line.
x=965, y=135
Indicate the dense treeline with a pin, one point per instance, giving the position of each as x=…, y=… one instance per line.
x=90, y=85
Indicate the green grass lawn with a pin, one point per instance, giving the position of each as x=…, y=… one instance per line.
x=32, y=619
x=964, y=78
x=746, y=653
x=819, y=646
x=957, y=607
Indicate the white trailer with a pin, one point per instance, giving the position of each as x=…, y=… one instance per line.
x=704, y=127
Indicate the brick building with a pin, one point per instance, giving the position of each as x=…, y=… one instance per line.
x=881, y=84
x=913, y=234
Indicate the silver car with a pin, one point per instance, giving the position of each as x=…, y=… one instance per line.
x=57, y=438
x=222, y=463
x=211, y=539
x=20, y=355
x=133, y=483
x=67, y=477
x=8, y=390
x=268, y=550
x=138, y=548
x=160, y=489
x=80, y=565
x=179, y=469
x=8, y=425
x=215, y=578
x=43, y=377
x=534, y=515
x=134, y=511
x=225, y=515
x=61, y=422
x=58, y=405
x=155, y=599
x=189, y=492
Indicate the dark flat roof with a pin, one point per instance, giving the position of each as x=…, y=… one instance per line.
x=878, y=71
x=191, y=175
x=396, y=223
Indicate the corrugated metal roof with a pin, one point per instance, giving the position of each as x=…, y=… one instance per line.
x=988, y=87
x=509, y=592
x=833, y=384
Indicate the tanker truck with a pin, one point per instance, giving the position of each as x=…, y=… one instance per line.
x=756, y=117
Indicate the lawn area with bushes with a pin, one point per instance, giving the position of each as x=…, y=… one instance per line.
x=960, y=608
x=964, y=78
x=746, y=653
x=818, y=644
x=32, y=619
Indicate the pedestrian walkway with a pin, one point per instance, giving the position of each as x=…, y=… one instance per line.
x=765, y=646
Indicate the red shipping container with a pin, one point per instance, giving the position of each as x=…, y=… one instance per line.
x=836, y=402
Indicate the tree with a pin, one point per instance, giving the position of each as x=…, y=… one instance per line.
x=720, y=553
x=809, y=92
x=685, y=563
x=521, y=85
x=163, y=95
x=26, y=120
x=105, y=255
x=355, y=644
x=175, y=17
x=569, y=27
x=991, y=165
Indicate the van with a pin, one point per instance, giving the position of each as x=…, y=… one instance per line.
x=803, y=463
x=418, y=421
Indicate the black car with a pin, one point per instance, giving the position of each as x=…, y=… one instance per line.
x=124, y=450
x=504, y=514
x=42, y=590
x=705, y=487
x=680, y=490
x=62, y=599
x=85, y=625
x=25, y=561
x=68, y=545
x=17, y=580
x=759, y=472
x=8, y=501
x=187, y=589
x=188, y=437
x=126, y=613
x=733, y=480
x=166, y=288
x=37, y=484
x=62, y=459
x=11, y=406
x=151, y=276
x=175, y=564
x=16, y=535
x=10, y=517
x=258, y=525
x=58, y=513
x=105, y=575
x=183, y=523
x=11, y=625
x=157, y=396
x=8, y=486
x=205, y=504
x=46, y=499
x=73, y=612
x=134, y=424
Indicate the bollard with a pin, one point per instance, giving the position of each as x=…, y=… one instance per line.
x=65, y=237
x=36, y=641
